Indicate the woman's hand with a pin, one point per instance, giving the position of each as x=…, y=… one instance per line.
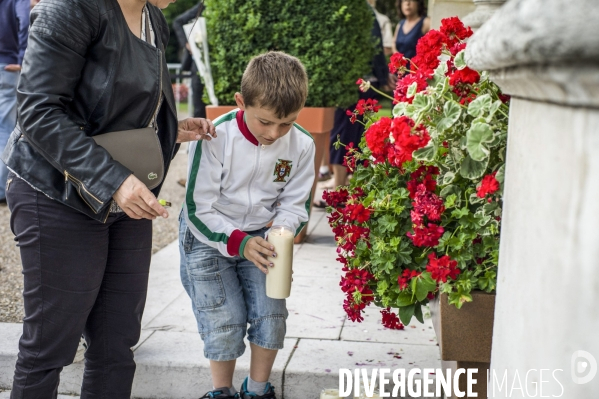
x=193, y=129
x=256, y=250
x=137, y=201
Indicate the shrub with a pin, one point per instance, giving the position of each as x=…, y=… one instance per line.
x=332, y=38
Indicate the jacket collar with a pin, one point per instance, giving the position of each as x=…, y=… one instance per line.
x=243, y=127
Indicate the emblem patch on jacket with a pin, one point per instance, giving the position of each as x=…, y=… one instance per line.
x=282, y=170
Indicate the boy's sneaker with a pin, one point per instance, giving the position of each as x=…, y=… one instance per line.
x=269, y=392
x=220, y=393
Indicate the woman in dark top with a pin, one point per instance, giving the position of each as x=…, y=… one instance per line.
x=83, y=221
x=414, y=24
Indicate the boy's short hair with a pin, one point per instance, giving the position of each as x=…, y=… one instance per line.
x=275, y=81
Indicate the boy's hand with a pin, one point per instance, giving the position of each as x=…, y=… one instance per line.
x=256, y=250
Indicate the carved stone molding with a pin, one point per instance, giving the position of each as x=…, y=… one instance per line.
x=537, y=32
x=483, y=12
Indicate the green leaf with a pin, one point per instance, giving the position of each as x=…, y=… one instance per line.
x=475, y=199
x=451, y=114
x=448, y=178
x=479, y=106
x=500, y=176
x=490, y=207
x=472, y=169
x=388, y=223
x=494, y=107
x=412, y=90
x=449, y=190
x=460, y=60
x=418, y=313
x=406, y=313
x=422, y=103
x=404, y=256
x=399, y=109
x=404, y=299
x=424, y=285
x=426, y=153
x=477, y=136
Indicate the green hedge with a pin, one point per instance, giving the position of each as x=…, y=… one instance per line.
x=331, y=37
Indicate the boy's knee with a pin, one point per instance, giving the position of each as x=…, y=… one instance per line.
x=224, y=343
x=268, y=331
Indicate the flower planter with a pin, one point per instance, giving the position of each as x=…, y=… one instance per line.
x=465, y=335
x=316, y=120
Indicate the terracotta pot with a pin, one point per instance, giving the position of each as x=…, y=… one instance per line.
x=465, y=335
x=213, y=112
x=316, y=120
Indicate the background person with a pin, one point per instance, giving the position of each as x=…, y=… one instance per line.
x=413, y=25
x=187, y=62
x=14, y=23
x=82, y=221
x=386, y=28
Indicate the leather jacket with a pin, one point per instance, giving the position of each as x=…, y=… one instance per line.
x=85, y=73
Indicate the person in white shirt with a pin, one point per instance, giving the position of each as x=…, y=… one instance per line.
x=259, y=170
x=386, y=28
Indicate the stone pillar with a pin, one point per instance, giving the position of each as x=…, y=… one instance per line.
x=545, y=53
x=439, y=9
x=483, y=12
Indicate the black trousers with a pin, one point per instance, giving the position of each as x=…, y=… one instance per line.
x=197, y=87
x=81, y=277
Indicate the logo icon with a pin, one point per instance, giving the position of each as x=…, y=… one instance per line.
x=282, y=170
x=152, y=176
x=584, y=367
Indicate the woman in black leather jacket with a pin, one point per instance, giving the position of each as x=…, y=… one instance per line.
x=83, y=222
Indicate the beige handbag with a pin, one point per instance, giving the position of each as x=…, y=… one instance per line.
x=139, y=151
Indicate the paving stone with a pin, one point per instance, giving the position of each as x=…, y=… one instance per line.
x=315, y=363
x=372, y=330
x=172, y=365
x=177, y=316
x=9, y=348
x=164, y=285
x=313, y=261
x=315, y=308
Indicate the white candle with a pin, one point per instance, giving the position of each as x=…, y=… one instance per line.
x=330, y=394
x=278, y=279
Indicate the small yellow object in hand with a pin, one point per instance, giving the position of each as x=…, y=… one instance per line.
x=164, y=203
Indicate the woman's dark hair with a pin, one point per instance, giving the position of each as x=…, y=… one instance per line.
x=421, y=8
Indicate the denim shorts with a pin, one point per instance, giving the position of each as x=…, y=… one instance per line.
x=227, y=294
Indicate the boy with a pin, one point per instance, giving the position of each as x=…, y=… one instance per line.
x=259, y=170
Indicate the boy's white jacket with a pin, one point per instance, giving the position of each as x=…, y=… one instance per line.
x=236, y=185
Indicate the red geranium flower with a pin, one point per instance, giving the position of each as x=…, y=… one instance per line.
x=426, y=236
x=442, y=268
x=405, y=141
x=454, y=30
x=358, y=213
x=390, y=320
x=488, y=185
x=376, y=138
x=406, y=277
x=423, y=175
x=398, y=63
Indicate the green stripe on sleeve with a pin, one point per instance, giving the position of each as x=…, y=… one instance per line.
x=303, y=130
x=242, y=245
x=191, y=205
